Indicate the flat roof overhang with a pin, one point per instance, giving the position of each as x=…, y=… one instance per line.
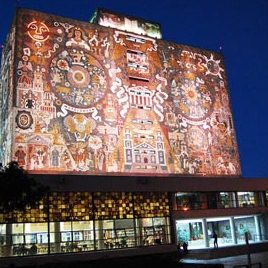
x=131, y=183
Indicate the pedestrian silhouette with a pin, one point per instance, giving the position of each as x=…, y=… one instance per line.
x=185, y=247
x=215, y=236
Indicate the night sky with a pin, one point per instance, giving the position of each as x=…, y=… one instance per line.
x=236, y=28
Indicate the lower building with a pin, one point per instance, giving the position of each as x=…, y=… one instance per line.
x=152, y=215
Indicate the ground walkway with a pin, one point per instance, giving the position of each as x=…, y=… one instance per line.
x=259, y=259
x=223, y=257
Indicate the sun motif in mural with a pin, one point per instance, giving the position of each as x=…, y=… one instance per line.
x=192, y=99
x=191, y=93
x=38, y=31
x=78, y=79
x=213, y=66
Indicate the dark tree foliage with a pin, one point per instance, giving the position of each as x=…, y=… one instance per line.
x=17, y=190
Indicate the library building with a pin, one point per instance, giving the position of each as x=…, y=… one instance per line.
x=134, y=136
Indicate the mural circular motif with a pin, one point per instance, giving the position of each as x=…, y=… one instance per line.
x=24, y=119
x=38, y=31
x=192, y=100
x=77, y=78
x=213, y=67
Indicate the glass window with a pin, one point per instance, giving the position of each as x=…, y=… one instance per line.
x=260, y=199
x=18, y=233
x=66, y=236
x=153, y=231
x=212, y=200
x=222, y=227
x=226, y=200
x=78, y=236
x=242, y=225
x=187, y=201
x=246, y=199
x=229, y=230
x=125, y=233
x=190, y=231
x=2, y=234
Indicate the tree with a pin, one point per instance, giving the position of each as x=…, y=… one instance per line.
x=17, y=190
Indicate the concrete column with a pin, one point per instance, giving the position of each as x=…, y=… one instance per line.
x=173, y=202
x=8, y=248
x=232, y=225
x=205, y=232
x=235, y=200
x=57, y=237
x=257, y=226
x=138, y=232
x=100, y=236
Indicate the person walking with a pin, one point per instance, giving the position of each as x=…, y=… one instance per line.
x=185, y=247
x=215, y=236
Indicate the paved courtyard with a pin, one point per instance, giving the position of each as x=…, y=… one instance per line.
x=230, y=262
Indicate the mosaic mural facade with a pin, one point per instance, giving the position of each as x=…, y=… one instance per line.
x=6, y=97
x=93, y=100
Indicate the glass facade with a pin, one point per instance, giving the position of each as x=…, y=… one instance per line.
x=83, y=221
x=62, y=237
x=198, y=233
x=217, y=200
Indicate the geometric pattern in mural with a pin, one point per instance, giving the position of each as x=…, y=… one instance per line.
x=96, y=100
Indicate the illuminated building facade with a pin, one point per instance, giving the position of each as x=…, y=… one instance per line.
x=110, y=100
x=89, y=99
